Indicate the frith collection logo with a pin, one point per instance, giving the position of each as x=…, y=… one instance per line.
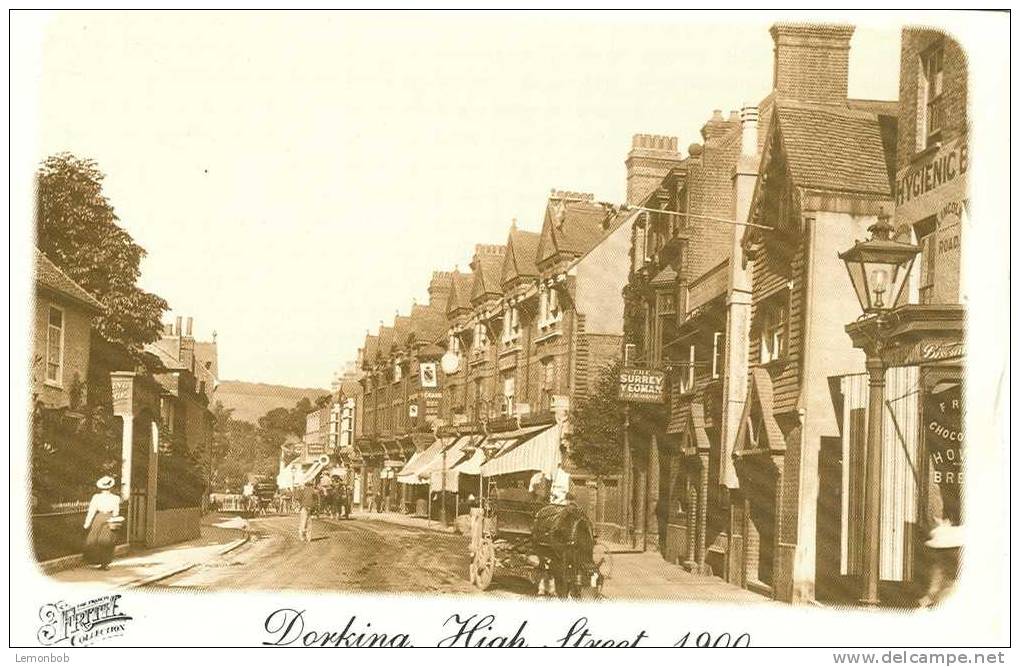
x=82, y=624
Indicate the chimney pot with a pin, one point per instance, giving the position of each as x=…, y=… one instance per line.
x=749, y=130
x=177, y=330
x=187, y=329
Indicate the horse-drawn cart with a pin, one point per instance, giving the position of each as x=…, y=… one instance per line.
x=553, y=546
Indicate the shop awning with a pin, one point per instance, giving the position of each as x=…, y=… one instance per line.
x=538, y=450
x=413, y=471
x=459, y=458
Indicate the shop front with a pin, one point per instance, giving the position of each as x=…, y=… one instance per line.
x=923, y=453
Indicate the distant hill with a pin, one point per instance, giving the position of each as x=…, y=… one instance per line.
x=251, y=400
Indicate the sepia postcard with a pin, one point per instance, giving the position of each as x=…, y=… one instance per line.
x=511, y=329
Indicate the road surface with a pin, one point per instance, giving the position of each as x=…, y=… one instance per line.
x=355, y=555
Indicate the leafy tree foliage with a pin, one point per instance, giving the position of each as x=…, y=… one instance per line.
x=596, y=440
x=77, y=230
x=248, y=448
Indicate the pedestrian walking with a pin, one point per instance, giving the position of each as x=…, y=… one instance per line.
x=102, y=520
x=306, y=498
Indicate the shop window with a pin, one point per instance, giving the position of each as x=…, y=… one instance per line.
x=932, y=115
x=718, y=352
x=774, y=332
x=55, y=346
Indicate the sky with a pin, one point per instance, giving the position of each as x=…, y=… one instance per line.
x=296, y=177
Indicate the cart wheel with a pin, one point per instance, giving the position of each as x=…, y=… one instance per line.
x=484, y=565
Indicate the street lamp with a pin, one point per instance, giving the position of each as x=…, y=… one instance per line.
x=878, y=269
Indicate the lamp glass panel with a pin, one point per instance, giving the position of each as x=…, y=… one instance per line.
x=857, y=277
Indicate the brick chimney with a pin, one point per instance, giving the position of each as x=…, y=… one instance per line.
x=811, y=61
x=650, y=158
x=186, y=346
x=718, y=126
x=439, y=287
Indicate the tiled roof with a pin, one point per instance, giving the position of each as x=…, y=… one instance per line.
x=577, y=232
x=837, y=149
x=521, y=255
x=460, y=291
x=165, y=349
x=428, y=323
x=487, y=268
x=206, y=352
x=370, y=347
x=385, y=337
x=49, y=275
x=401, y=326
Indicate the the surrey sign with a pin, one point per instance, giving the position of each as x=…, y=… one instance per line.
x=640, y=385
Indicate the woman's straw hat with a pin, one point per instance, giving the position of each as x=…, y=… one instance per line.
x=105, y=483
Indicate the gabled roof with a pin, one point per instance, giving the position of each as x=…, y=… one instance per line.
x=165, y=349
x=837, y=149
x=48, y=275
x=369, y=349
x=460, y=291
x=570, y=227
x=521, y=255
x=487, y=265
x=401, y=326
x=428, y=324
x=207, y=353
x=385, y=337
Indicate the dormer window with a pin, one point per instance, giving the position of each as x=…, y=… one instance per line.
x=398, y=371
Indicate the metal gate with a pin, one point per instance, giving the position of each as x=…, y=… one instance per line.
x=137, y=516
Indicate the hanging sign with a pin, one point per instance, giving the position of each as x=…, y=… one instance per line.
x=428, y=374
x=641, y=385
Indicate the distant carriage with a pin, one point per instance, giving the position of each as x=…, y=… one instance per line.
x=546, y=544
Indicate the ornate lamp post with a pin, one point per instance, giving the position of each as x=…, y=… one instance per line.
x=878, y=269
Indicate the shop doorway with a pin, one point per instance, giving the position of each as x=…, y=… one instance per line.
x=758, y=479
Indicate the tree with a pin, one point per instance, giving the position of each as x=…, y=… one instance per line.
x=597, y=426
x=78, y=231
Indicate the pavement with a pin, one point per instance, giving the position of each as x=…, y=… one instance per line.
x=646, y=576
x=219, y=534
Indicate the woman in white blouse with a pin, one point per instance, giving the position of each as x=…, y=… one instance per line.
x=100, y=540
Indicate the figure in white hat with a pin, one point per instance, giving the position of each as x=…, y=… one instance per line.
x=102, y=519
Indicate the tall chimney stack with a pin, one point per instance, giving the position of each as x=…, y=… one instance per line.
x=187, y=327
x=177, y=328
x=811, y=62
x=650, y=158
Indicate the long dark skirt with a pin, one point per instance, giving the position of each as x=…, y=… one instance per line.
x=100, y=540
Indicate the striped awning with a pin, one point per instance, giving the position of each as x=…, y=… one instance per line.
x=538, y=450
x=413, y=471
x=462, y=458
